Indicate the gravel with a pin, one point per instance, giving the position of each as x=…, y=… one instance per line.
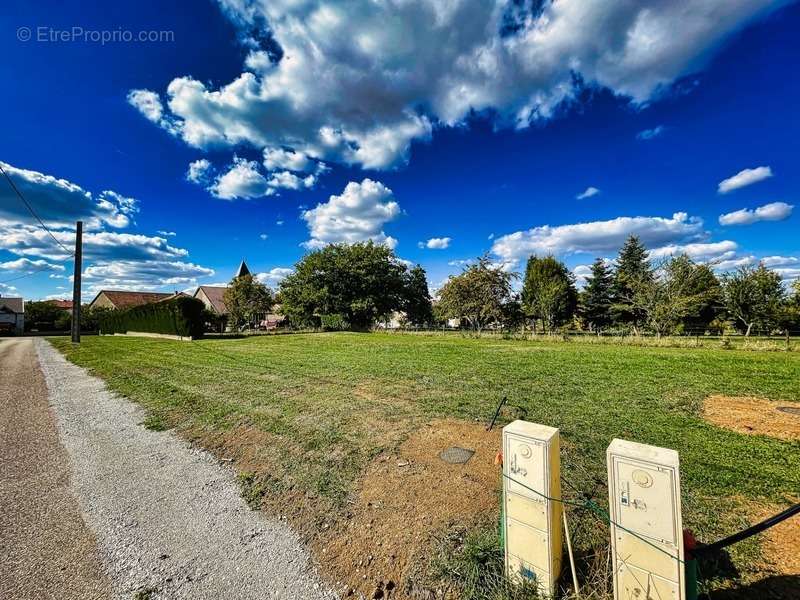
x=169, y=519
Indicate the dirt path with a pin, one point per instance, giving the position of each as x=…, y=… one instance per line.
x=93, y=505
x=46, y=548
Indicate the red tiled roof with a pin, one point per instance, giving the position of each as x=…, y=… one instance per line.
x=215, y=295
x=121, y=299
x=15, y=305
x=64, y=304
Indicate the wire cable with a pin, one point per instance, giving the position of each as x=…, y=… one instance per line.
x=33, y=212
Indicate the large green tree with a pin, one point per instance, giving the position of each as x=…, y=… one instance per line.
x=417, y=298
x=548, y=292
x=632, y=269
x=480, y=295
x=596, y=298
x=675, y=290
x=753, y=298
x=701, y=285
x=44, y=315
x=362, y=282
x=247, y=300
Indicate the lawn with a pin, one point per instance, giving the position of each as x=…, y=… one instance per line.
x=329, y=403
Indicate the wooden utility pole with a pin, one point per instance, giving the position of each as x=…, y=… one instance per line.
x=76, y=284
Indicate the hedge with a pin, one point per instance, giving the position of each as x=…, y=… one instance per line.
x=334, y=322
x=179, y=316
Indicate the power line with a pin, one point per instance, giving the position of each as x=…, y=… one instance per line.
x=33, y=212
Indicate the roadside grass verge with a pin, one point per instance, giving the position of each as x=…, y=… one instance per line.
x=320, y=407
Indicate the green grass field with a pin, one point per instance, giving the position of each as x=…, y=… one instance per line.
x=332, y=401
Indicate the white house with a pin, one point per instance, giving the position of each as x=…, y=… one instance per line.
x=12, y=315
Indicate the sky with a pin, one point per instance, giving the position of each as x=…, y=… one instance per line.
x=190, y=136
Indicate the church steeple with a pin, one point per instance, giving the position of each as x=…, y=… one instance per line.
x=243, y=270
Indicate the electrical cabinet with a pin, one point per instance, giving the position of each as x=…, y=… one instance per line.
x=532, y=522
x=646, y=528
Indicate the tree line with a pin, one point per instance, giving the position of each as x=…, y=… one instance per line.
x=355, y=286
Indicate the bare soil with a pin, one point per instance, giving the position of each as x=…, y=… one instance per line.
x=753, y=416
x=370, y=547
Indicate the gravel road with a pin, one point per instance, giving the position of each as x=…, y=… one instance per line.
x=46, y=548
x=168, y=519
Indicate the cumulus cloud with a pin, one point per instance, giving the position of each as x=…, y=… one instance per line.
x=588, y=193
x=142, y=274
x=199, y=171
x=744, y=178
x=60, y=202
x=357, y=82
x=28, y=265
x=163, y=233
x=597, y=236
x=290, y=181
x=649, y=134
x=274, y=276
x=356, y=215
x=436, y=243
x=279, y=158
x=242, y=180
x=701, y=251
x=774, y=211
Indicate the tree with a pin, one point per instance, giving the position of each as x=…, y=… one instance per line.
x=548, y=292
x=479, y=295
x=417, y=298
x=247, y=299
x=596, y=299
x=632, y=268
x=43, y=315
x=753, y=297
x=703, y=287
x=362, y=282
x=669, y=294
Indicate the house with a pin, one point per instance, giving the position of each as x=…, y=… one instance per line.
x=62, y=304
x=122, y=299
x=12, y=315
x=213, y=296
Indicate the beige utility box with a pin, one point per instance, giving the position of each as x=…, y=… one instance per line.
x=645, y=501
x=532, y=523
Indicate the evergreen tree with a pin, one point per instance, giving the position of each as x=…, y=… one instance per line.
x=596, y=298
x=548, y=292
x=417, y=301
x=633, y=268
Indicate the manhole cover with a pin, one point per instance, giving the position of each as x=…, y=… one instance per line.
x=455, y=455
x=792, y=410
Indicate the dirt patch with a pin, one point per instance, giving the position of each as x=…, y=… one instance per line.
x=405, y=497
x=781, y=543
x=754, y=416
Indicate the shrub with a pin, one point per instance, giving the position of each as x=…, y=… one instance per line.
x=334, y=322
x=179, y=316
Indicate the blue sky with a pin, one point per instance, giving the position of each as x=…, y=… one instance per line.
x=445, y=133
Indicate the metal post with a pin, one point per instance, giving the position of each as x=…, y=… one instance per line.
x=76, y=284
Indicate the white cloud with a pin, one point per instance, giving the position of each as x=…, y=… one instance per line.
x=199, y=171
x=649, y=134
x=142, y=274
x=7, y=289
x=60, y=203
x=357, y=214
x=582, y=273
x=588, y=193
x=263, y=236
x=148, y=103
x=744, y=178
x=597, y=236
x=278, y=223
x=28, y=265
x=278, y=158
x=163, y=233
x=274, y=276
x=780, y=261
x=290, y=181
x=701, y=251
x=242, y=180
x=357, y=82
x=774, y=211
x=436, y=243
